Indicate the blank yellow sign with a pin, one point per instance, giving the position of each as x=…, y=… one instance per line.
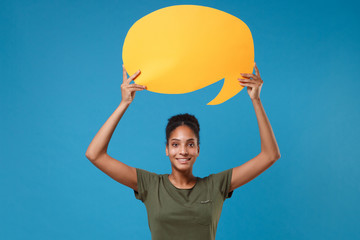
x=183, y=48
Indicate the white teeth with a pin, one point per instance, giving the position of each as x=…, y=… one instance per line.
x=183, y=160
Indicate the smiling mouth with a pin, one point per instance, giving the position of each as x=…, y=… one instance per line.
x=183, y=160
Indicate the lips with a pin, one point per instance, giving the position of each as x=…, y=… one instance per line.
x=183, y=160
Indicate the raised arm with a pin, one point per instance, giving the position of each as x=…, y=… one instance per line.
x=270, y=152
x=97, y=150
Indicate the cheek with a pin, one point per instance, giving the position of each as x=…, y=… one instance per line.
x=172, y=151
x=194, y=151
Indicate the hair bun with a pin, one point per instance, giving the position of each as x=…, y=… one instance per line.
x=183, y=119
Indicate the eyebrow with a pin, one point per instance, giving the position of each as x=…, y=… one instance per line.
x=190, y=139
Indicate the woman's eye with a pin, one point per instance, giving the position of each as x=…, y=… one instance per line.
x=192, y=145
x=174, y=144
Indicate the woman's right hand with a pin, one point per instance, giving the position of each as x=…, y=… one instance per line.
x=128, y=90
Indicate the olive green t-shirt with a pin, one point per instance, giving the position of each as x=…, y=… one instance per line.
x=183, y=214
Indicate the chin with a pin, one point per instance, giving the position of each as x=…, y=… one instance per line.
x=182, y=168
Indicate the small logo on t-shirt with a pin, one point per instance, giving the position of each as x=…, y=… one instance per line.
x=206, y=201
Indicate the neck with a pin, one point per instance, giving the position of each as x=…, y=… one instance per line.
x=182, y=179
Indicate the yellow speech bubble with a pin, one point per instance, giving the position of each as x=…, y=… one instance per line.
x=183, y=48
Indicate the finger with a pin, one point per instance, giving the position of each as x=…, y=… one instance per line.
x=134, y=76
x=130, y=87
x=248, y=75
x=257, y=70
x=246, y=80
x=136, y=86
x=257, y=81
x=133, y=89
x=248, y=85
x=124, y=74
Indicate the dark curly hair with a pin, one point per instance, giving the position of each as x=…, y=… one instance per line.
x=183, y=119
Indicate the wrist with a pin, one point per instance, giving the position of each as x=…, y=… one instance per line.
x=124, y=103
x=256, y=99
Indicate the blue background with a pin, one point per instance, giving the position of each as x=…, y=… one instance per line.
x=60, y=71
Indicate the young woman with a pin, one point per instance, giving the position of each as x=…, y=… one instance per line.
x=180, y=205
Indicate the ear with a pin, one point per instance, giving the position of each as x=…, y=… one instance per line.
x=167, y=150
x=198, y=149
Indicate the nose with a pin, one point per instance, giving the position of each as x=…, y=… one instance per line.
x=183, y=150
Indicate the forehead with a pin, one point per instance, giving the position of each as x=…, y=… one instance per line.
x=182, y=132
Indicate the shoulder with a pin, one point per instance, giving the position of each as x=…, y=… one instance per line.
x=224, y=174
x=144, y=175
x=145, y=172
x=217, y=178
x=221, y=182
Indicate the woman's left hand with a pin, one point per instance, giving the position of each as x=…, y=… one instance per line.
x=253, y=83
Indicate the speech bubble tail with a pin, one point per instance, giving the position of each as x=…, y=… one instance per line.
x=230, y=88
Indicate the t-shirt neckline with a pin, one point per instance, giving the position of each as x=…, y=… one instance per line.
x=172, y=185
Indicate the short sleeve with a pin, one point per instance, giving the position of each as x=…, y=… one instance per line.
x=222, y=182
x=145, y=180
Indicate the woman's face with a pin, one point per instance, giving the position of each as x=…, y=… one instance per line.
x=182, y=148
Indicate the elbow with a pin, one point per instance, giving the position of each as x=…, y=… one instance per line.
x=90, y=155
x=276, y=156
x=273, y=157
x=93, y=156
